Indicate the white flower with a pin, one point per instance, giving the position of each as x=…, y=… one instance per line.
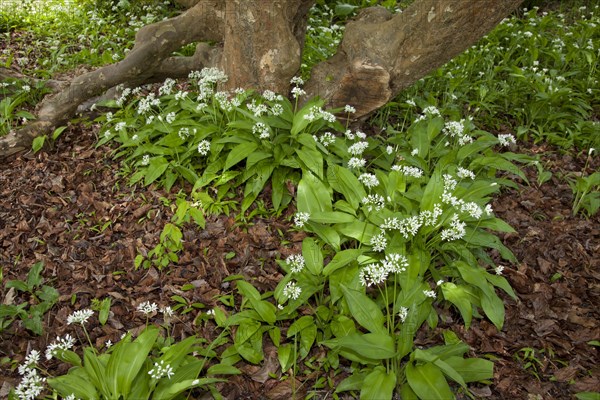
x=269, y=95
x=438, y=283
x=167, y=311
x=145, y=159
x=590, y=151
x=358, y=148
x=349, y=109
x=349, y=135
x=414, y=152
x=488, y=210
x=408, y=171
x=262, y=130
x=295, y=262
x=395, y=263
x=465, y=173
x=276, y=109
x=355, y=162
x=431, y=111
x=161, y=369
x=61, y=344
x=472, y=209
x=379, y=242
x=211, y=312
x=361, y=135
x=170, y=118
x=135, y=137
x=301, y=218
x=108, y=344
x=369, y=180
x=147, y=307
x=498, y=270
x=456, y=230
x=389, y=149
x=80, y=317
x=373, y=274
x=203, y=147
x=297, y=92
x=292, y=290
x=31, y=386
x=26, y=88
x=429, y=293
x=183, y=133
x=454, y=128
x=373, y=202
x=297, y=81
x=403, y=313
x=327, y=138
x=506, y=139
x=411, y=102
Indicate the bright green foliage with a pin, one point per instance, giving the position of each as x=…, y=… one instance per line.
x=138, y=369
x=40, y=299
x=15, y=94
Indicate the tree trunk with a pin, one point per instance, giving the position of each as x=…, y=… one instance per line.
x=259, y=45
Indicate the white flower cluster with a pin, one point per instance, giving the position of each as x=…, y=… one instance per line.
x=379, y=242
x=358, y=148
x=409, y=226
x=292, y=290
x=403, y=313
x=369, y=180
x=295, y=262
x=146, y=104
x=316, y=113
x=378, y=272
x=121, y=100
x=457, y=129
x=161, y=369
x=31, y=385
x=80, y=317
x=262, y=130
x=327, y=138
x=428, y=112
x=373, y=202
x=147, y=307
x=276, y=109
x=166, y=87
x=506, y=139
x=456, y=230
x=204, y=147
x=356, y=163
x=300, y=219
x=465, y=173
x=471, y=208
x=429, y=293
x=180, y=95
x=349, y=109
x=408, y=171
x=296, y=90
x=61, y=344
x=257, y=109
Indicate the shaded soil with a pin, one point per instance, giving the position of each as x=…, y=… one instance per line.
x=69, y=209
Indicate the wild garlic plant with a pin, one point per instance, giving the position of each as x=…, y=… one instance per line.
x=141, y=368
x=404, y=223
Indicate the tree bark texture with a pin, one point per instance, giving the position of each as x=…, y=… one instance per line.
x=259, y=45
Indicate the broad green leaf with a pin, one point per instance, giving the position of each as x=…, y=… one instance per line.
x=471, y=369
x=353, y=382
x=493, y=307
x=588, y=396
x=341, y=259
x=342, y=326
x=370, y=346
x=95, y=368
x=285, y=357
x=238, y=153
x=75, y=382
x=428, y=382
x=458, y=296
x=312, y=255
x=126, y=361
x=332, y=217
x=359, y=230
x=364, y=310
x=378, y=385
x=223, y=369
x=345, y=182
x=38, y=143
x=156, y=167
x=312, y=195
x=312, y=159
x=299, y=325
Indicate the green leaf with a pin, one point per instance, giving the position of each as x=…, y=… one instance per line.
x=341, y=259
x=471, y=369
x=343, y=181
x=238, y=153
x=34, y=277
x=378, y=385
x=369, y=346
x=364, y=310
x=313, y=196
x=312, y=256
x=332, y=217
x=95, y=368
x=104, y=311
x=156, y=167
x=57, y=132
x=428, y=382
x=284, y=355
x=353, y=382
x=460, y=297
x=312, y=159
x=223, y=369
x=75, y=382
x=493, y=307
x=588, y=396
x=300, y=324
x=38, y=143
x=127, y=359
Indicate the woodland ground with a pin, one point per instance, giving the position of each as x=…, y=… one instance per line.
x=68, y=208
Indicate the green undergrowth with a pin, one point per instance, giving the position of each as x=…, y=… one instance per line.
x=399, y=224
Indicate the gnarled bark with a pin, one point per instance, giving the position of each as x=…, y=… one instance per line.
x=259, y=45
x=381, y=54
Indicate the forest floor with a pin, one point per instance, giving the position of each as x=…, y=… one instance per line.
x=69, y=208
